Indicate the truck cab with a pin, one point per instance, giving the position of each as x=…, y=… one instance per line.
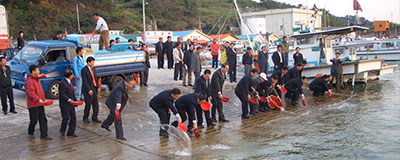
x=52, y=56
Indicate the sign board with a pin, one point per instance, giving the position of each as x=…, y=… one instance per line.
x=3, y=28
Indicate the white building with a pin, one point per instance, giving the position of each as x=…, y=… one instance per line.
x=278, y=21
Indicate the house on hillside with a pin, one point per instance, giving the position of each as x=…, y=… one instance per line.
x=195, y=35
x=225, y=37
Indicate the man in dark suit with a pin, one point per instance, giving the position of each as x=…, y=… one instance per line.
x=66, y=100
x=117, y=101
x=263, y=59
x=202, y=86
x=160, y=53
x=186, y=107
x=6, y=87
x=293, y=73
x=295, y=89
x=320, y=85
x=90, y=88
x=144, y=75
x=168, y=49
x=278, y=58
x=216, y=86
x=231, y=53
x=163, y=105
x=244, y=91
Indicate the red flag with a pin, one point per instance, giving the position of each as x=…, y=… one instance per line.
x=357, y=6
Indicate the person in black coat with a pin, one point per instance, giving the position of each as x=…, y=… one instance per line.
x=144, y=75
x=243, y=91
x=231, y=53
x=263, y=59
x=336, y=72
x=217, y=82
x=298, y=57
x=293, y=73
x=202, y=86
x=280, y=74
x=320, y=85
x=186, y=107
x=187, y=64
x=278, y=58
x=160, y=53
x=66, y=100
x=90, y=88
x=168, y=48
x=163, y=104
x=117, y=100
x=6, y=87
x=295, y=88
x=21, y=40
x=261, y=85
x=247, y=60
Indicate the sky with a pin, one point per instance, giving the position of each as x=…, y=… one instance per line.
x=372, y=9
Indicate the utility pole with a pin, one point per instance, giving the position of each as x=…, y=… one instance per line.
x=77, y=17
x=199, y=23
x=144, y=23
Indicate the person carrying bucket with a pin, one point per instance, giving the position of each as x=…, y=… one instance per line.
x=320, y=85
x=186, y=108
x=244, y=89
x=295, y=88
x=202, y=86
x=163, y=105
x=261, y=86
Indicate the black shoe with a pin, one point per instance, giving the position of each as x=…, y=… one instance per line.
x=235, y=81
x=200, y=126
x=122, y=138
x=72, y=135
x=146, y=84
x=175, y=124
x=214, y=120
x=246, y=117
x=224, y=120
x=190, y=85
x=62, y=134
x=164, y=134
x=211, y=124
x=252, y=113
x=5, y=113
x=15, y=112
x=256, y=112
x=184, y=85
x=86, y=120
x=106, y=128
x=96, y=120
x=261, y=110
x=294, y=103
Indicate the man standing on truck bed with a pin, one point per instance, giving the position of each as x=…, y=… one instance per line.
x=90, y=89
x=103, y=28
x=78, y=63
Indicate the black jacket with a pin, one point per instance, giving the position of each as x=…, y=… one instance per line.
x=187, y=58
x=291, y=74
x=279, y=73
x=5, y=77
x=262, y=61
x=231, y=56
x=261, y=87
x=277, y=60
x=319, y=82
x=297, y=58
x=66, y=92
x=168, y=47
x=244, y=85
x=147, y=59
x=247, y=59
x=87, y=80
x=335, y=66
x=202, y=86
x=159, y=48
x=21, y=42
x=295, y=85
x=217, y=82
x=163, y=100
x=188, y=103
x=119, y=94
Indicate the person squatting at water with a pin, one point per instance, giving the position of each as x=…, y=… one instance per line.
x=117, y=100
x=320, y=85
x=186, y=107
x=295, y=88
x=243, y=91
x=163, y=105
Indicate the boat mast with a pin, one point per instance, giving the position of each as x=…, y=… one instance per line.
x=144, y=23
x=241, y=20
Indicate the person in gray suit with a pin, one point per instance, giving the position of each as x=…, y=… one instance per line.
x=117, y=101
x=196, y=63
x=263, y=59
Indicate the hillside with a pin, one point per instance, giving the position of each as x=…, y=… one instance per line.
x=42, y=18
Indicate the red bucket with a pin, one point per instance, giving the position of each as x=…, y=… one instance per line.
x=205, y=106
x=48, y=103
x=270, y=105
x=183, y=127
x=304, y=102
x=276, y=101
x=253, y=100
x=77, y=103
x=329, y=94
x=262, y=99
x=117, y=115
x=283, y=90
x=225, y=99
x=196, y=132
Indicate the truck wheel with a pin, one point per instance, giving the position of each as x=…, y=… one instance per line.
x=52, y=91
x=114, y=81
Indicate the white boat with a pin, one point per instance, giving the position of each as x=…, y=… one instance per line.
x=382, y=49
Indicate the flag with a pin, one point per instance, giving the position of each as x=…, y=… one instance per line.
x=357, y=6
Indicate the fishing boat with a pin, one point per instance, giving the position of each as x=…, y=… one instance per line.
x=382, y=49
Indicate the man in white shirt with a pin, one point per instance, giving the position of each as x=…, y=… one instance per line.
x=103, y=28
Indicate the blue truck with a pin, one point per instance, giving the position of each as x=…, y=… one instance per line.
x=55, y=56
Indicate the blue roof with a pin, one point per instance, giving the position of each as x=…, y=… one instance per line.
x=182, y=33
x=245, y=36
x=53, y=43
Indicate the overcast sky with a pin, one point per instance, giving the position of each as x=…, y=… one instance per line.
x=372, y=9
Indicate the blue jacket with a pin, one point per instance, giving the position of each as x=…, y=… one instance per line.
x=78, y=65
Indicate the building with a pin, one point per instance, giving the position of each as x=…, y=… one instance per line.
x=225, y=37
x=279, y=21
x=259, y=38
x=195, y=35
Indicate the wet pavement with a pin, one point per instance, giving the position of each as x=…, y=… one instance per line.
x=352, y=125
